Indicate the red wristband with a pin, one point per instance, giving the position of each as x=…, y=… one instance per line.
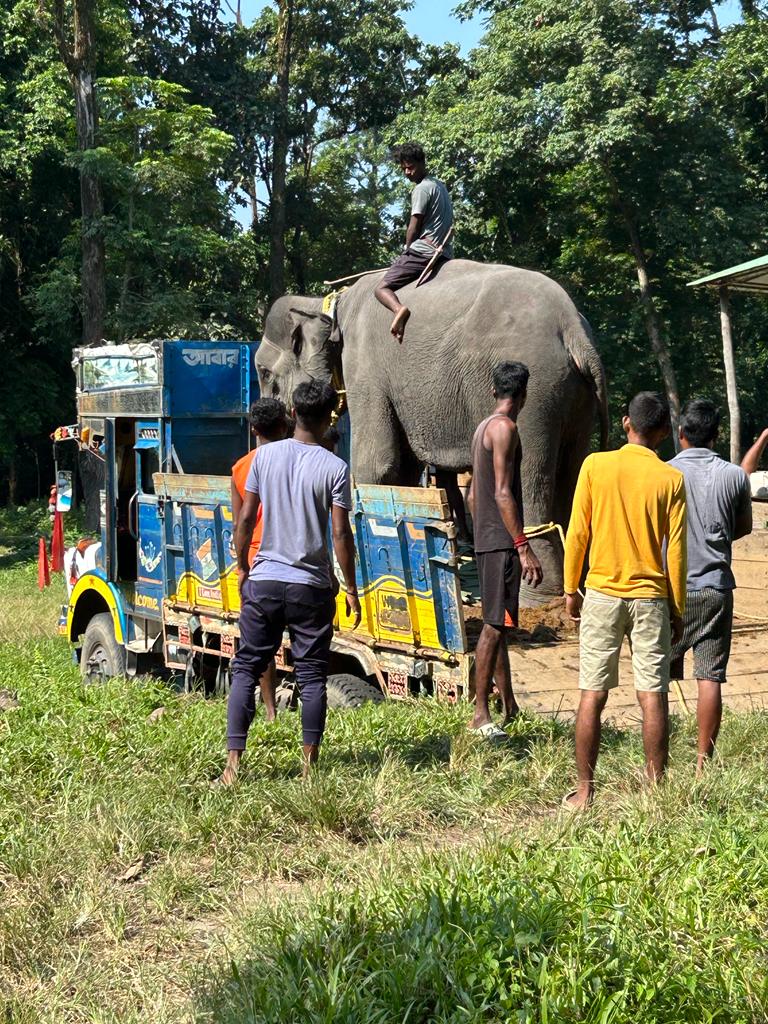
x=520, y=540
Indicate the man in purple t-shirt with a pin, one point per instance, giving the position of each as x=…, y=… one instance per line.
x=291, y=583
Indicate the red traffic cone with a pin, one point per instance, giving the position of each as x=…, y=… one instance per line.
x=57, y=544
x=43, y=576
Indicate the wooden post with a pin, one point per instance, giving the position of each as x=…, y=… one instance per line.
x=730, y=373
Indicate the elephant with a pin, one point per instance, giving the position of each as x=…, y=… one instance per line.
x=418, y=402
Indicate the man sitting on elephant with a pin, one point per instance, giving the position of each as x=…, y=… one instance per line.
x=431, y=220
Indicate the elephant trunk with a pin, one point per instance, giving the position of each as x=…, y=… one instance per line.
x=549, y=550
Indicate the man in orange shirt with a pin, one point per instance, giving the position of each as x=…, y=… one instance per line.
x=628, y=505
x=269, y=422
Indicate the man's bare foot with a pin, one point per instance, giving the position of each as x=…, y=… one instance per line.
x=310, y=754
x=398, y=324
x=580, y=799
x=229, y=776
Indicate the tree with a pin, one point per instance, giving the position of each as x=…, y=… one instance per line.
x=74, y=30
x=280, y=138
x=570, y=137
x=38, y=207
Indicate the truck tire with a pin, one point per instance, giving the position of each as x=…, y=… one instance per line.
x=101, y=656
x=348, y=691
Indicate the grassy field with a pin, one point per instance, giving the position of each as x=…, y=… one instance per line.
x=421, y=876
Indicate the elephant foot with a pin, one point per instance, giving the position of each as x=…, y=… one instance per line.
x=536, y=597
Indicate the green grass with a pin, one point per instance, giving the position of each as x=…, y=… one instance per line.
x=421, y=876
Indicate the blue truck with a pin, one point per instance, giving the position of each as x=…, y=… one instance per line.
x=167, y=420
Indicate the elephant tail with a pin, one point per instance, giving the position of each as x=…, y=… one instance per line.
x=580, y=347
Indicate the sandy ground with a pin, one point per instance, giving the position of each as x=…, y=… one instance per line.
x=546, y=673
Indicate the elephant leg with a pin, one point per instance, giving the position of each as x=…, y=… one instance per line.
x=376, y=445
x=573, y=451
x=411, y=468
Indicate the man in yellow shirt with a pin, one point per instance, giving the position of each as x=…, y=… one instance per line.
x=627, y=505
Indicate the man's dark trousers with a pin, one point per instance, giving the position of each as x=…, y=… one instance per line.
x=267, y=608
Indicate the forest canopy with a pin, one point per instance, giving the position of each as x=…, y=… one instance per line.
x=166, y=169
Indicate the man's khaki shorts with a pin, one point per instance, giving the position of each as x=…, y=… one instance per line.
x=605, y=621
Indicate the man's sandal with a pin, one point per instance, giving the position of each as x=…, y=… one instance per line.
x=490, y=732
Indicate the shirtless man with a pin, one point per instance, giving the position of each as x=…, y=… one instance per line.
x=504, y=556
x=431, y=220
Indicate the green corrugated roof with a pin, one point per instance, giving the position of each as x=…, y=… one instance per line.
x=746, y=277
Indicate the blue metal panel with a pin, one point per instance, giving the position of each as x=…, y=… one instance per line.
x=407, y=570
x=149, y=582
x=208, y=378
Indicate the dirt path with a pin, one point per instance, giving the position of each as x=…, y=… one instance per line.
x=547, y=677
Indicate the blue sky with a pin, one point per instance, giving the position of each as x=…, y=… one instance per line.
x=433, y=21
x=429, y=19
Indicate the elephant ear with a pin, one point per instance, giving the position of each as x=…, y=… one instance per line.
x=297, y=339
x=298, y=318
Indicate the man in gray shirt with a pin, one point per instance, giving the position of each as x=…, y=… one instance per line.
x=429, y=226
x=719, y=512
x=291, y=584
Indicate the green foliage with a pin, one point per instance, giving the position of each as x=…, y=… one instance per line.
x=573, y=126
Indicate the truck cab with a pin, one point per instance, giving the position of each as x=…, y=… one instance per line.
x=162, y=407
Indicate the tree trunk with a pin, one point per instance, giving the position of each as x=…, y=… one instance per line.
x=653, y=326
x=249, y=187
x=297, y=261
x=77, y=54
x=280, y=153
x=732, y=390
x=92, y=214
x=13, y=481
x=127, y=273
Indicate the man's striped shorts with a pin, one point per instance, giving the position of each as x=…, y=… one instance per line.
x=707, y=628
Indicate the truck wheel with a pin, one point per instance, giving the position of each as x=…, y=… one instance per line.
x=348, y=691
x=101, y=656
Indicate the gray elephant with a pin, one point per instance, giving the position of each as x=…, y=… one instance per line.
x=418, y=403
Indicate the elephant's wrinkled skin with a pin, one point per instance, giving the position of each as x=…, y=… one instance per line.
x=419, y=402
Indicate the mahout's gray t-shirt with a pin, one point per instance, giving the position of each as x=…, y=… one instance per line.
x=430, y=198
x=716, y=493
x=297, y=483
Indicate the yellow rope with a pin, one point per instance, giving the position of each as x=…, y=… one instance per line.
x=537, y=531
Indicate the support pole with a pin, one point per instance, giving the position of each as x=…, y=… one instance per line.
x=730, y=374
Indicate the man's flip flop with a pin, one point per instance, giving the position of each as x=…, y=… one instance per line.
x=491, y=732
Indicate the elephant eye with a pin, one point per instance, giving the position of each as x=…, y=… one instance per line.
x=266, y=375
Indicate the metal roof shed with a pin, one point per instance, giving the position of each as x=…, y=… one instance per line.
x=751, y=276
